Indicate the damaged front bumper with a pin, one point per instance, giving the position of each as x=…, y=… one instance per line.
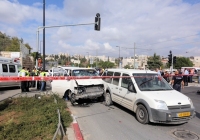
x=89, y=92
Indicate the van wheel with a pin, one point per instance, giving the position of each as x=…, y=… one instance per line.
x=108, y=100
x=73, y=99
x=142, y=114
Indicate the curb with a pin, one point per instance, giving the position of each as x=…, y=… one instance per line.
x=77, y=131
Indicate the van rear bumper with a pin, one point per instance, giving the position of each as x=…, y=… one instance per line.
x=171, y=116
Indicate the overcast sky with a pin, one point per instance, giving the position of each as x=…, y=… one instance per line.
x=155, y=26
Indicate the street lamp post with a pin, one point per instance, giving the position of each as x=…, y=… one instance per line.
x=119, y=57
x=40, y=47
x=88, y=59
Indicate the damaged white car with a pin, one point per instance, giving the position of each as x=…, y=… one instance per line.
x=77, y=90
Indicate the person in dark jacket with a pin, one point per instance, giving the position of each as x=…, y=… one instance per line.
x=177, y=81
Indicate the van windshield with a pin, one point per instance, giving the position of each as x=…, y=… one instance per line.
x=151, y=82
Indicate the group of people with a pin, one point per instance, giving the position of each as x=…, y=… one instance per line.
x=25, y=85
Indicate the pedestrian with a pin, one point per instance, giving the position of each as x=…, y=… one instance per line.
x=27, y=82
x=35, y=72
x=191, y=75
x=177, y=81
x=158, y=71
x=43, y=83
x=198, y=74
x=185, y=77
x=22, y=73
x=166, y=76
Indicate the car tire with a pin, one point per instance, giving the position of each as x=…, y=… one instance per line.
x=108, y=99
x=101, y=98
x=73, y=99
x=142, y=114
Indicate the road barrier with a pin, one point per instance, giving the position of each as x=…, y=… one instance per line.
x=38, y=78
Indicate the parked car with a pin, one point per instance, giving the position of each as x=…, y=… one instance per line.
x=77, y=90
x=148, y=95
x=9, y=68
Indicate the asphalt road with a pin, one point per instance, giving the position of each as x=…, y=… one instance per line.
x=99, y=122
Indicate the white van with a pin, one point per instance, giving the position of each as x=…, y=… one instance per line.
x=8, y=68
x=77, y=90
x=148, y=95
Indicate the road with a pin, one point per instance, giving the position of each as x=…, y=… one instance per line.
x=99, y=122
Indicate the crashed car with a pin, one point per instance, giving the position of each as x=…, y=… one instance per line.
x=76, y=88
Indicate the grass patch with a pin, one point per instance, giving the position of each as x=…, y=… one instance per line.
x=31, y=118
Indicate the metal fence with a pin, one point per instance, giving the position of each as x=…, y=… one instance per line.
x=60, y=130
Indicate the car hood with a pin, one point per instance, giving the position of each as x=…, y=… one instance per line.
x=171, y=97
x=85, y=82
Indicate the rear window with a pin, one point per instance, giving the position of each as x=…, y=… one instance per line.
x=12, y=68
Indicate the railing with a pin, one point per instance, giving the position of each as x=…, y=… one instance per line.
x=60, y=129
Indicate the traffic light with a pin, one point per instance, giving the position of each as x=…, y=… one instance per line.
x=97, y=22
x=174, y=59
x=170, y=58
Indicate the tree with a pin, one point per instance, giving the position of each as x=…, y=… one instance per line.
x=182, y=62
x=127, y=67
x=105, y=64
x=154, y=62
x=14, y=46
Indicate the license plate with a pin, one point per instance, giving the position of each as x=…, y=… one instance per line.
x=183, y=114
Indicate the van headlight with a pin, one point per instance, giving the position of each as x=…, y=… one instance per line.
x=161, y=105
x=191, y=103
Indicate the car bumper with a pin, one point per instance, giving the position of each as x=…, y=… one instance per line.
x=171, y=116
x=88, y=95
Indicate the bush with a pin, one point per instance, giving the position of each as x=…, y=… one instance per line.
x=32, y=118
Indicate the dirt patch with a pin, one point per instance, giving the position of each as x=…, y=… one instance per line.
x=8, y=116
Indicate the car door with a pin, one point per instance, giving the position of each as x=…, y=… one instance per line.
x=128, y=97
x=13, y=71
x=4, y=72
x=115, y=88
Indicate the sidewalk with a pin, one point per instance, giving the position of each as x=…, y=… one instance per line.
x=194, y=84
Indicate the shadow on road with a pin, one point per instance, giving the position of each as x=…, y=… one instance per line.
x=115, y=105
x=197, y=114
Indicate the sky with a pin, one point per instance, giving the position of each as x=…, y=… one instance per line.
x=155, y=26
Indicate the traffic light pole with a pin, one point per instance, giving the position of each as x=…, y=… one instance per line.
x=55, y=26
x=172, y=63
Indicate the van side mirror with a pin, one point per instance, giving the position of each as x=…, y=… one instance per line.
x=131, y=87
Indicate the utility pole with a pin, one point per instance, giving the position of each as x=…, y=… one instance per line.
x=43, y=61
x=134, y=55
x=96, y=58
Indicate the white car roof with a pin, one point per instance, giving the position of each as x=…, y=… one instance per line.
x=132, y=71
x=77, y=68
